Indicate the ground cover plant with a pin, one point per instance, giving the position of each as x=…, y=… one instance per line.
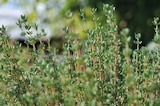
x=99, y=70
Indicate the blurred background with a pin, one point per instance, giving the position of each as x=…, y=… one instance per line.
x=137, y=15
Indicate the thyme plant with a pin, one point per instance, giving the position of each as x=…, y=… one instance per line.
x=99, y=70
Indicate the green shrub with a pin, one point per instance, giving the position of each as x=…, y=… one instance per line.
x=99, y=70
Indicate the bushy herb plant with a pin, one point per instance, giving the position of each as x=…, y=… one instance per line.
x=100, y=70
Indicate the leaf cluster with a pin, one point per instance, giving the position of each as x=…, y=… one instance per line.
x=99, y=70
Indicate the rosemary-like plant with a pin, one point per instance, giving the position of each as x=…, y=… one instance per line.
x=99, y=70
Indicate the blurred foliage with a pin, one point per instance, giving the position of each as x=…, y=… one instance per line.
x=137, y=15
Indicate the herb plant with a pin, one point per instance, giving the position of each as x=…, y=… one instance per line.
x=99, y=70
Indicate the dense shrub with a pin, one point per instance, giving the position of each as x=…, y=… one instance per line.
x=99, y=70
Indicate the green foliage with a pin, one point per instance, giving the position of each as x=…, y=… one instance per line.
x=99, y=70
x=133, y=14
